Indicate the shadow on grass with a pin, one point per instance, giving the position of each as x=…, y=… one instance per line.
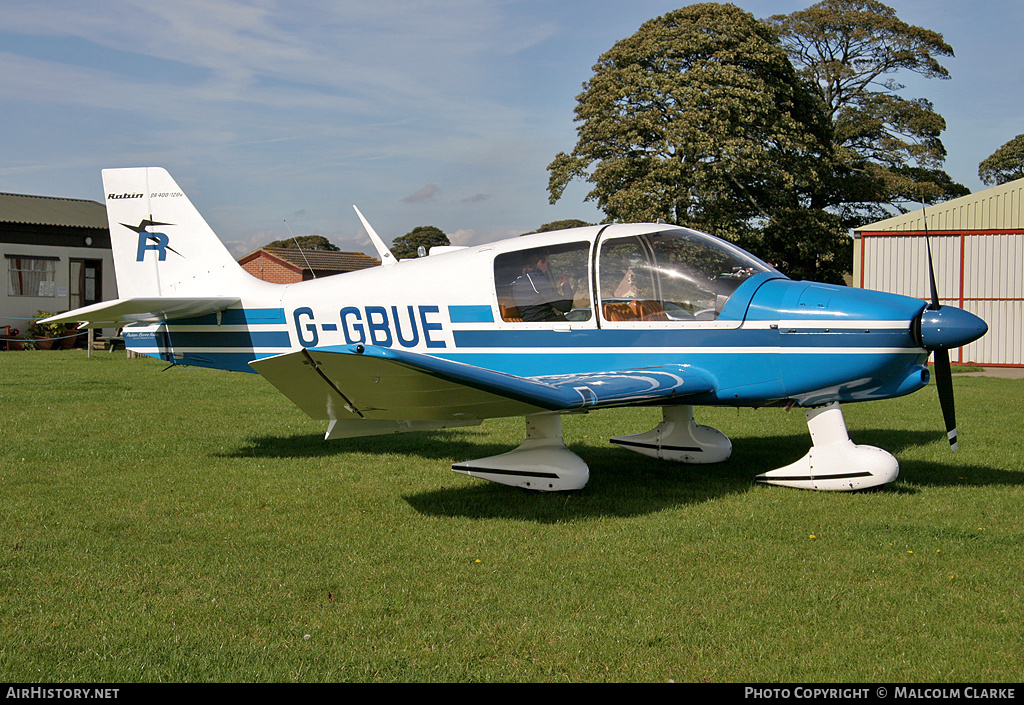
x=935, y=473
x=621, y=483
x=434, y=445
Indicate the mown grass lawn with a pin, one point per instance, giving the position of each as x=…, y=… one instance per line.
x=192, y=525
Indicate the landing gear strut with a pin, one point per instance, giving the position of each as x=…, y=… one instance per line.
x=541, y=462
x=834, y=462
x=678, y=437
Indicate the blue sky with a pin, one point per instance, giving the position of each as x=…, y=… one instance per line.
x=275, y=115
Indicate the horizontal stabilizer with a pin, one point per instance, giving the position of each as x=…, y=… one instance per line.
x=122, y=312
x=375, y=383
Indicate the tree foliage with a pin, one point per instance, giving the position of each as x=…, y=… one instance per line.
x=700, y=119
x=780, y=135
x=887, y=148
x=1005, y=164
x=407, y=246
x=305, y=242
x=560, y=225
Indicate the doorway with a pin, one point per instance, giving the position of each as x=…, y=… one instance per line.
x=85, y=283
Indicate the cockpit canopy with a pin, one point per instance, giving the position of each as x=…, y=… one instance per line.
x=674, y=274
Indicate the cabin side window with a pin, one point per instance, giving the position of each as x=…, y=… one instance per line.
x=544, y=284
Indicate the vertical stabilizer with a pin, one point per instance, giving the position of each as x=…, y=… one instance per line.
x=162, y=245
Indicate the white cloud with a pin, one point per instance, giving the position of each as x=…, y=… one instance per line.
x=426, y=193
x=467, y=237
x=265, y=107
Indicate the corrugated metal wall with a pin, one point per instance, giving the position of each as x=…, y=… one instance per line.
x=978, y=250
x=993, y=288
x=981, y=272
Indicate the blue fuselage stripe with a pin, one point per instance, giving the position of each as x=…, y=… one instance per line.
x=194, y=339
x=798, y=354
x=471, y=314
x=674, y=338
x=235, y=362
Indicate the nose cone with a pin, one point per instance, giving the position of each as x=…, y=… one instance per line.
x=949, y=327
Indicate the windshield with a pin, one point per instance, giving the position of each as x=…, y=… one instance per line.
x=674, y=275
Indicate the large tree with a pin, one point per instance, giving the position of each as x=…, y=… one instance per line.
x=427, y=236
x=700, y=119
x=780, y=134
x=887, y=147
x=560, y=225
x=305, y=242
x=1005, y=164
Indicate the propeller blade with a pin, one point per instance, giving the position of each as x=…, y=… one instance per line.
x=943, y=372
x=944, y=384
x=934, y=306
x=931, y=266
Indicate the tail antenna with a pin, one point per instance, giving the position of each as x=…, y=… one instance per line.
x=308, y=266
x=385, y=254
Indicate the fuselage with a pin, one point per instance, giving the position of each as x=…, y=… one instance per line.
x=638, y=296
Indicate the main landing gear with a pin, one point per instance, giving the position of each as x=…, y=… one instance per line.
x=678, y=437
x=542, y=462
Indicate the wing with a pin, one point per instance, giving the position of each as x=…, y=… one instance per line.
x=364, y=390
x=122, y=312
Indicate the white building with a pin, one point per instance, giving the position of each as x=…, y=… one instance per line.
x=977, y=246
x=56, y=256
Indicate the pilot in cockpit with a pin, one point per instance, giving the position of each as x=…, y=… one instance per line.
x=535, y=292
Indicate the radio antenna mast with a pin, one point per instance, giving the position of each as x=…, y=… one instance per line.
x=310, y=268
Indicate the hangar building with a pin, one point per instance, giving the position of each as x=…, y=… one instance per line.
x=978, y=249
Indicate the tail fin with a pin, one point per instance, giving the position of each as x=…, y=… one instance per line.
x=162, y=246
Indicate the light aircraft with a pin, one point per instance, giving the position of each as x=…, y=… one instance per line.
x=535, y=326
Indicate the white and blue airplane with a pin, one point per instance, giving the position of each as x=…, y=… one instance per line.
x=535, y=326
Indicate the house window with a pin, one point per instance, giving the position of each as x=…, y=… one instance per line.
x=31, y=276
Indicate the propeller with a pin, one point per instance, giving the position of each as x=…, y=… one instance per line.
x=943, y=370
x=941, y=328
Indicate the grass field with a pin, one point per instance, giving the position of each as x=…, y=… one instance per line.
x=192, y=525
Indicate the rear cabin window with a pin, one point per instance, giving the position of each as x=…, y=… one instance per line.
x=544, y=284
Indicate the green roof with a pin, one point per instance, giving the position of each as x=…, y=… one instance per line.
x=45, y=210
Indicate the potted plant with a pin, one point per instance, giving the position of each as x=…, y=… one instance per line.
x=10, y=340
x=44, y=335
x=69, y=336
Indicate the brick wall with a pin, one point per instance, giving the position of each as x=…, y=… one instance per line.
x=271, y=270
